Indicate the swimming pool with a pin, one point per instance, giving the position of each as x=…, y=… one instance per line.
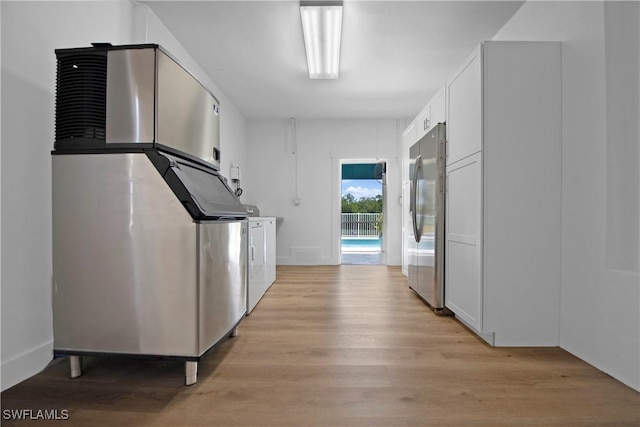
x=360, y=245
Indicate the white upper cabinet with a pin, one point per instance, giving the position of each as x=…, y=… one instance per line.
x=464, y=109
x=504, y=210
x=408, y=139
x=438, y=108
x=432, y=114
x=423, y=122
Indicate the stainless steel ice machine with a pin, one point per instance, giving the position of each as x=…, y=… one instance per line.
x=149, y=241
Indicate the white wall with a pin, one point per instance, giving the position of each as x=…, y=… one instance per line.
x=30, y=33
x=600, y=300
x=310, y=232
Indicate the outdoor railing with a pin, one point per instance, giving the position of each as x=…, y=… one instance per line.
x=360, y=224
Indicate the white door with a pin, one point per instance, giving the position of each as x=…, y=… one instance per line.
x=464, y=240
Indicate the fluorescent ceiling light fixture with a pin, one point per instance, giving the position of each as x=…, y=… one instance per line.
x=322, y=29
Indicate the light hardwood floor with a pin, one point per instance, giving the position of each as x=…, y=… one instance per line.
x=344, y=345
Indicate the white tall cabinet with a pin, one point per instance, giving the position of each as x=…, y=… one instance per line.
x=503, y=188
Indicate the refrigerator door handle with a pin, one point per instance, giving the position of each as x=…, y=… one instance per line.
x=417, y=231
x=411, y=199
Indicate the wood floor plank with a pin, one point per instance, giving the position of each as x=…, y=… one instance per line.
x=339, y=346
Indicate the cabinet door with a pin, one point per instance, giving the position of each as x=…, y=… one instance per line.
x=408, y=139
x=423, y=122
x=464, y=110
x=438, y=108
x=463, y=260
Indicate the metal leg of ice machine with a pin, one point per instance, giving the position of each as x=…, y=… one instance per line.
x=191, y=372
x=75, y=366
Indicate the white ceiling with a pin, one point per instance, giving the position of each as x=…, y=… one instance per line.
x=395, y=54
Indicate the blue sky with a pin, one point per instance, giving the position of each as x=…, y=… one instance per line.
x=361, y=187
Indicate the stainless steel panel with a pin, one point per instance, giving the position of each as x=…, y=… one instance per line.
x=124, y=259
x=130, y=96
x=223, y=279
x=188, y=117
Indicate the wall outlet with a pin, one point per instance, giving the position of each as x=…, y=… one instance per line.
x=234, y=173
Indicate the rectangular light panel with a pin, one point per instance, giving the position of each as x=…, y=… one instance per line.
x=322, y=29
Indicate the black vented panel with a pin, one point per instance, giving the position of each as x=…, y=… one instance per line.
x=81, y=99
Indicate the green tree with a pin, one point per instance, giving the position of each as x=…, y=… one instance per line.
x=364, y=205
x=347, y=203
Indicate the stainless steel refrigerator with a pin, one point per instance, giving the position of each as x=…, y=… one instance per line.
x=426, y=249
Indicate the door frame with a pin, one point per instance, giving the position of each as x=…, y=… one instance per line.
x=336, y=208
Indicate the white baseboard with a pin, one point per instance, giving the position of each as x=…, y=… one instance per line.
x=318, y=261
x=25, y=365
x=489, y=337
